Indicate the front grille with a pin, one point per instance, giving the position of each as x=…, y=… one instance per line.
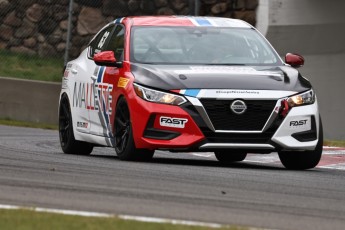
x=254, y=118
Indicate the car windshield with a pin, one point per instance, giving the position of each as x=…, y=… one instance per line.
x=200, y=45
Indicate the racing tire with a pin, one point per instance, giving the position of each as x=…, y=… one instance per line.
x=301, y=160
x=225, y=156
x=124, y=142
x=68, y=143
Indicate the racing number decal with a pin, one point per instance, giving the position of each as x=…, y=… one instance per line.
x=102, y=41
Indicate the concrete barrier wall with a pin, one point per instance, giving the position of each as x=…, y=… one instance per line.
x=316, y=30
x=25, y=100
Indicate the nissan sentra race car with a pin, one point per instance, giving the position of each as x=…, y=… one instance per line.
x=185, y=84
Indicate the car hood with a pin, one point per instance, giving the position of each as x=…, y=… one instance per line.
x=169, y=77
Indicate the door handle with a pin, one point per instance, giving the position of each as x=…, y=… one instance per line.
x=74, y=71
x=93, y=77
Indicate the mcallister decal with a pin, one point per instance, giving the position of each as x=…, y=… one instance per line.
x=90, y=96
x=122, y=83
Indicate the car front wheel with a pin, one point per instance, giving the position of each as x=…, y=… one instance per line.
x=124, y=142
x=300, y=160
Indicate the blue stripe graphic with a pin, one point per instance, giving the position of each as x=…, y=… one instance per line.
x=203, y=22
x=105, y=114
x=100, y=74
x=192, y=92
x=118, y=20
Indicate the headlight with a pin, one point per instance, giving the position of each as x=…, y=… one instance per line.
x=158, y=96
x=306, y=98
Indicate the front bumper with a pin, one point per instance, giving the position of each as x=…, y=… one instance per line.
x=199, y=134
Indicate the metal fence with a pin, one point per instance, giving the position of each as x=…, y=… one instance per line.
x=55, y=31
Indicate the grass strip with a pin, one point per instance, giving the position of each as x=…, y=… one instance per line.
x=24, y=219
x=334, y=143
x=10, y=122
x=31, y=67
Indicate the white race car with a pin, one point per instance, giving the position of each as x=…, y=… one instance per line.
x=182, y=83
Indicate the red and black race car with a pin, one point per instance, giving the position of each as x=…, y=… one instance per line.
x=186, y=84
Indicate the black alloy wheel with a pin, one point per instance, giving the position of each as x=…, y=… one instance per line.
x=301, y=160
x=122, y=126
x=68, y=143
x=124, y=142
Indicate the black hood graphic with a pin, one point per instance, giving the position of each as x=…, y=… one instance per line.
x=168, y=77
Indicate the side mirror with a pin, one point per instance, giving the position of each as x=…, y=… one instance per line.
x=106, y=58
x=295, y=60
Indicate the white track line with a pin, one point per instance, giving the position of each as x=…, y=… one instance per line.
x=170, y=221
x=106, y=215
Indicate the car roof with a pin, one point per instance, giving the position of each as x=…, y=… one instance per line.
x=184, y=21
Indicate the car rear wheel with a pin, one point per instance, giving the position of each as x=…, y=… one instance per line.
x=300, y=160
x=124, y=142
x=68, y=143
x=227, y=156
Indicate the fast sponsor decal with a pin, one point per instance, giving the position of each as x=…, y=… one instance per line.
x=173, y=122
x=298, y=123
x=302, y=123
x=122, y=83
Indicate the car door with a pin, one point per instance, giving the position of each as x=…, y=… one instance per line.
x=84, y=75
x=104, y=80
x=85, y=97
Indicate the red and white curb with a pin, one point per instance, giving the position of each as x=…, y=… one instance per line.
x=332, y=158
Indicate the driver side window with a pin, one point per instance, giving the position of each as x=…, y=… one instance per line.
x=117, y=42
x=99, y=43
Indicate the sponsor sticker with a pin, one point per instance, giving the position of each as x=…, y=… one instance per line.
x=304, y=124
x=122, y=83
x=173, y=122
x=82, y=124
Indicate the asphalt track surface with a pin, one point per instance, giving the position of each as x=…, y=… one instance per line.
x=34, y=172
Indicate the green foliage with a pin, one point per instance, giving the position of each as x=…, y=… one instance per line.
x=30, y=67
